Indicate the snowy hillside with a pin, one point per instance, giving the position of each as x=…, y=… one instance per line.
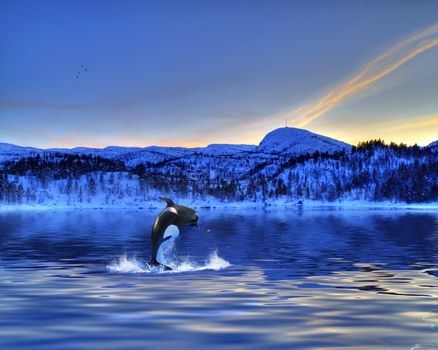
x=293, y=141
x=131, y=156
x=10, y=152
x=289, y=165
x=223, y=149
x=283, y=142
x=433, y=146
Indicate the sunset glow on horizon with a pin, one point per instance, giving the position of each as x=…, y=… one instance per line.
x=99, y=73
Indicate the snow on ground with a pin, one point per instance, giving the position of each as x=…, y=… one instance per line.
x=262, y=172
x=216, y=204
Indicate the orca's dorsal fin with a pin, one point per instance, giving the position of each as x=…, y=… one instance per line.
x=168, y=201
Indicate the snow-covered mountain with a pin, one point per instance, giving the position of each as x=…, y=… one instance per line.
x=433, y=146
x=293, y=141
x=291, y=164
x=11, y=152
x=131, y=156
x=283, y=141
x=224, y=149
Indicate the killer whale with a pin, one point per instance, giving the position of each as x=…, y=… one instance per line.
x=168, y=225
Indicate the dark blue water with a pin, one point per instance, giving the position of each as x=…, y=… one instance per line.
x=298, y=279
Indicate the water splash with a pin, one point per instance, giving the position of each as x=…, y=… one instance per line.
x=125, y=264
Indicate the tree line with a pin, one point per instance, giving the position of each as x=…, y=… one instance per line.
x=372, y=171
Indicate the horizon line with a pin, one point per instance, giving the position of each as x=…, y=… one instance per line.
x=102, y=147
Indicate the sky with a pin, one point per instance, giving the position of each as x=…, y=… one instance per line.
x=191, y=73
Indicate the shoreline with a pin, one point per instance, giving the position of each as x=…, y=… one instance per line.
x=229, y=205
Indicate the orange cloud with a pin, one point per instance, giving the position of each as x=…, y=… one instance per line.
x=418, y=129
x=377, y=69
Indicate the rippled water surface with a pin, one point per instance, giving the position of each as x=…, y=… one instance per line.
x=245, y=279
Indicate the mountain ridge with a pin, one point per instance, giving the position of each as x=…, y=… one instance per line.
x=116, y=147
x=286, y=141
x=273, y=170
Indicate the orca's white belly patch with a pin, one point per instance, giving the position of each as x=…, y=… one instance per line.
x=172, y=231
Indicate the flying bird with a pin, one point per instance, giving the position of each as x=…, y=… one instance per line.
x=83, y=69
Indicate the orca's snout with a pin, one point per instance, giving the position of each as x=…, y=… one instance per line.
x=195, y=220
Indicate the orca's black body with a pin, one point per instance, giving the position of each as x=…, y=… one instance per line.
x=172, y=217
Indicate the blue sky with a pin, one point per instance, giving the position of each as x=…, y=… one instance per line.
x=191, y=73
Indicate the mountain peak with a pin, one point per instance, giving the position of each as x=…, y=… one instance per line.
x=284, y=134
x=299, y=141
x=433, y=146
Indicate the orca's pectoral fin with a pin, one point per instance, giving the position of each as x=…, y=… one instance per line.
x=166, y=239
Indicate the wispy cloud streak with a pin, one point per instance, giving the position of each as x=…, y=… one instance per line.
x=375, y=70
x=12, y=104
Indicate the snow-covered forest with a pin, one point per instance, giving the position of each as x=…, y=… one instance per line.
x=372, y=171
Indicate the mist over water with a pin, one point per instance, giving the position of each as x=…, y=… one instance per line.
x=245, y=279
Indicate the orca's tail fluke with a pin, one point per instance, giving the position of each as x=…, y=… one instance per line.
x=155, y=263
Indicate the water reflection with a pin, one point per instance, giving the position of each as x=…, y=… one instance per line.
x=299, y=280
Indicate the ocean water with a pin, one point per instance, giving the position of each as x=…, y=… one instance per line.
x=243, y=279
